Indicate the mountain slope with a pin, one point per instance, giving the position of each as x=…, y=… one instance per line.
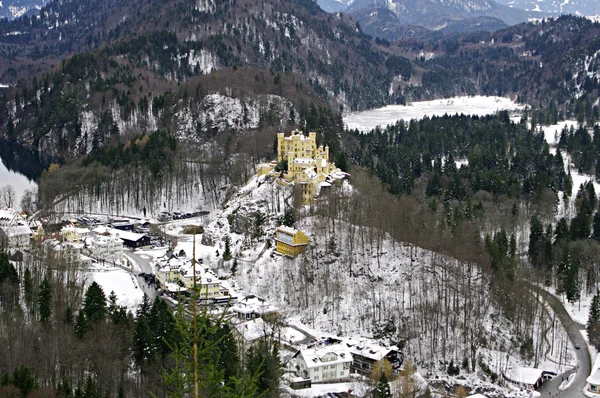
x=575, y=7
x=10, y=9
x=435, y=14
x=187, y=66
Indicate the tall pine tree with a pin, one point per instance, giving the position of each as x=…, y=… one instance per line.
x=45, y=300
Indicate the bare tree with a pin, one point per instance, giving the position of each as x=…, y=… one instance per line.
x=29, y=201
x=7, y=196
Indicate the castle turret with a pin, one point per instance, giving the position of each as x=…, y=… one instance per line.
x=327, y=152
x=280, y=146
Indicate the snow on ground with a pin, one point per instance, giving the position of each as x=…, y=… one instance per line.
x=317, y=390
x=353, y=280
x=291, y=335
x=552, y=132
x=121, y=282
x=478, y=105
x=579, y=311
x=552, y=135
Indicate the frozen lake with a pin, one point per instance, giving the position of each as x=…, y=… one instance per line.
x=19, y=167
x=478, y=105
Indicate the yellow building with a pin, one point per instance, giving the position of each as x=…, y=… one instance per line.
x=69, y=232
x=308, y=165
x=208, y=285
x=290, y=241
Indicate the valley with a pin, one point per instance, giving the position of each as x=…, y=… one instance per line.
x=294, y=198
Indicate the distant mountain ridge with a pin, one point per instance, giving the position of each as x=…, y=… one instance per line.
x=11, y=9
x=377, y=16
x=575, y=7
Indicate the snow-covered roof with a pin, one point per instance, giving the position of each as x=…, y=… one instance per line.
x=296, y=133
x=82, y=231
x=524, y=375
x=287, y=230
x=304, y=160
x=101, y=230
x=338, y=174
x=315, y=356
x=594, y=378
x=127, y=235
x=252, y=304
x=68, y=228
x=310, y=173
x=253, y=330
x=368, y=349
x=16, y=230
x=8, y=216
x=103, y=240
x=174, y=287
x=477, y=396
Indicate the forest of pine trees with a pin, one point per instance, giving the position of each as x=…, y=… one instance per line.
x=59, y=343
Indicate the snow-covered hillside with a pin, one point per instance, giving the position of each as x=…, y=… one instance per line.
x=359, y=281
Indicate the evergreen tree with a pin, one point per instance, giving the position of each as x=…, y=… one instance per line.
x=81, y=324
x=179, y=378
x=24, y=380
x=45, y=300
x=28, y=289
x=593, y=326
x=383, y=390
x=263, y=361
x=7, y=270
x=91, y=389
x=227, y=252
x=536, y=242
x=142, y=341
x=116, y=313
x=289, y=218
x=162, y=325
x=596, y=226
x=68, y=316
x=570, y=276
x=561, y=232
x=94, y=303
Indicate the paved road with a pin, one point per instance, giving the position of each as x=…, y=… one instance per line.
x=144, y=265
x=583, y=356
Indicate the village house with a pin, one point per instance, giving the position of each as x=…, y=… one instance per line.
x=65, y=251
x=69, y=233
x=290, y=241
x=525, y=378
x=176, y=275
x=252, y=307
x=105, y=247
x=130, y=239
x=14, y=231
x=324, y=363
x=366, y=354
x=592, y=388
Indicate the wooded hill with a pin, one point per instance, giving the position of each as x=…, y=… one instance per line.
x=198, y=68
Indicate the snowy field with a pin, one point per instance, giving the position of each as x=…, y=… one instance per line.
x=121, y=282
x=478, y=105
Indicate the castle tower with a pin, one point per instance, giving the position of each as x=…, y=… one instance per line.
x=280, y=146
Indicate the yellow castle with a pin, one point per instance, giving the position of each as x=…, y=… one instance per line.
x=307, y=164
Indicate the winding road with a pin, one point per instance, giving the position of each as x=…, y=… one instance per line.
x=584, y=364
